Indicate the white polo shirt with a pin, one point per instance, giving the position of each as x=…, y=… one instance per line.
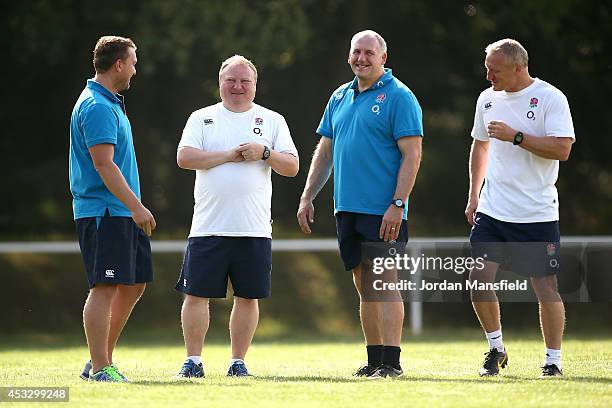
x=234, y=199
x=519, y=185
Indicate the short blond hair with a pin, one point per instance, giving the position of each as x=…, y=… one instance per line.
x=514, y=52
x=238, y=60
x=382, y=44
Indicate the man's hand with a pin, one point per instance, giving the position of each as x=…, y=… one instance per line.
x=470, y=210
x=144, y=219
x=305, y=215
x=235, y=155
x=251, y=151
x=501, y=131
x=391, y=223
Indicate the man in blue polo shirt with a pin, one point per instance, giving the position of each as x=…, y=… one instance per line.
x=112, y=224
x=371, y=136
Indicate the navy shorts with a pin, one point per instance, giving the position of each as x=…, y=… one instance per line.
x=115, y=251
x=210, y=261
x=354, y=229
x=529, y=249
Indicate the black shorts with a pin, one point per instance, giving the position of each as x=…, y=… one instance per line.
x=354, y=229
x=210, y=261
x=115, y=251
x=529, y=249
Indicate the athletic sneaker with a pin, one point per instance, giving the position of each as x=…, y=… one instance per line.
x=365, y=371
x=386, y=371
x=86, y=373
x=493, y=361
x=108, y=374
x=238, y=369
x=551, y=370
x=191, y=370
x=120, y=373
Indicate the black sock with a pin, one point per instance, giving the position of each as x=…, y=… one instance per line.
x=375, y=355
x=391, y=356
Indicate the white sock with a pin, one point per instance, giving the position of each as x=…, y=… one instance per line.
x=195, y=359
x=553, y=356
x=495, y=340
x=233, y=360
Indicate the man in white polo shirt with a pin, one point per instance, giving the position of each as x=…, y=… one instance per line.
x=522, y=129
x=233, y=146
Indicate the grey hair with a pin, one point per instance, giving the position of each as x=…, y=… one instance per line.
x=514, y=52
x=382, y=44
x=238, y=60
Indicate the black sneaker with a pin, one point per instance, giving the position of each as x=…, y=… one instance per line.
x=386, y=371
x=493, y=361
x=365, y=371
x=191, y=370
x=551, y=370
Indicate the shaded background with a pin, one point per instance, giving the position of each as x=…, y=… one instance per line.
x=300, y=49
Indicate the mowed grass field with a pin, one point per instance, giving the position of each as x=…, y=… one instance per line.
x=439, y=371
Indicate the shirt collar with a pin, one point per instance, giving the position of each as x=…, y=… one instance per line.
x=91, y=84
x=382, y=81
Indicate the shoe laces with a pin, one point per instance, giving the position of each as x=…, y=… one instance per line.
x=385, y=370
x=491, y=359
x=111, y=372
x=119, y=373
x=365, y=369
x=239, y=368
x=188, y=367
x=550, y=369
x=388, y=367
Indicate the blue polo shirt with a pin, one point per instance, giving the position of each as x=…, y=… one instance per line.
x=99, y=117
x=364, y=128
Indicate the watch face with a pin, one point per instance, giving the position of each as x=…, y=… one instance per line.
x=518, y=138
x=399, y=203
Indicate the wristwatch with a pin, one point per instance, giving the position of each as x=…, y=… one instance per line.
x=518, y=138
x=266, y=153
x=398, y=202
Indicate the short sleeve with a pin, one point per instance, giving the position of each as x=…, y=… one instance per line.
x=407, y=116
x=99, y=124
x=325, y=126
x=193, y=133
x=478, y=130
x=283, y=142
x=558, y=120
